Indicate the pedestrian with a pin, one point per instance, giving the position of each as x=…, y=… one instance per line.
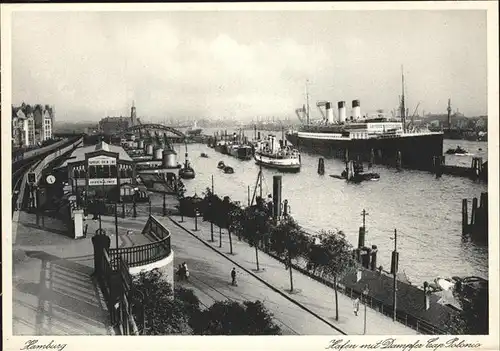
x=180, y=274
x=185, y=270
x=356, y=306
x=233, y=276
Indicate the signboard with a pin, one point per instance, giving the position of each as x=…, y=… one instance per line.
x=103, y=181
x=102, y=160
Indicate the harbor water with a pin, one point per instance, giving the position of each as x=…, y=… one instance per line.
x=425, y=211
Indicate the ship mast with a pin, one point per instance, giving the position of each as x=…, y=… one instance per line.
x=403, y=110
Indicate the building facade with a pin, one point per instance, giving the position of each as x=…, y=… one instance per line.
x=97, y=172
x=114, y=125
x=32, y=125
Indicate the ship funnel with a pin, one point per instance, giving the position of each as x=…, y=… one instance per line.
x=329, y=112
x=342, y=112
x=356, y=109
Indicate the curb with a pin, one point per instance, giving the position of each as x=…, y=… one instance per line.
x=258, y=278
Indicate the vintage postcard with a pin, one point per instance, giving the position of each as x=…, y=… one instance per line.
x=231, y=176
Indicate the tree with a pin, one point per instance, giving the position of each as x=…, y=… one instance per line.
x=163, y=314
x=289, y=241
x=334, y=255
x=474, y=316
x=233, y=318
x=256, y=225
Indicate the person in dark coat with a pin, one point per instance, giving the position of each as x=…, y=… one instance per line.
x=233, y=276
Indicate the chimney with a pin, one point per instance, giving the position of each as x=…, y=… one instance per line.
x=329, y=112
x=342, y=112
x=356, y=109
x=133, y=114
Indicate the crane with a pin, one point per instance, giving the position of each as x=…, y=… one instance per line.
x=299, y=111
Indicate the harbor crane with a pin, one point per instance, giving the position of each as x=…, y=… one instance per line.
x=302, y=110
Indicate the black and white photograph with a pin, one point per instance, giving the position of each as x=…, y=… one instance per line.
x=268, y=169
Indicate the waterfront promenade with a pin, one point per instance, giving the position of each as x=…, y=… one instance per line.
x=210, y=276
x=52, y=288
x=309, y=293
x=54, y=294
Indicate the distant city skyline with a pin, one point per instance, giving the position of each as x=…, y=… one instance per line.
x=245, y=64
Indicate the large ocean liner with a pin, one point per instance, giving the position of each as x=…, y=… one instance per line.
x=379, y=139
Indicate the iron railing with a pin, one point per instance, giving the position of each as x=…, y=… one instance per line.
x=148, y=253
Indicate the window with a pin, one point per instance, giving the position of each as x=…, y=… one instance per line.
x=92, y=172
x=112, y=170
x=105, y=171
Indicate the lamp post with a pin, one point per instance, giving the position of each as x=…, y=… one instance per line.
x=365, y=294
x=116, y=223
x=134, y=204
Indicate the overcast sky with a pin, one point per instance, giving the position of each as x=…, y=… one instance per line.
x=246, y=64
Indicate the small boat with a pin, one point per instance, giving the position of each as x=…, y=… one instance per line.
x=204, y=155
x=480, y=149
x=457, y=151
x=228, y=170
x=221, y=165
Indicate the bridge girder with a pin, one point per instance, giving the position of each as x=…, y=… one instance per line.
x=152, y=127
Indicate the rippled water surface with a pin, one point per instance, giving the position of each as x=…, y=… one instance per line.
x=425, y=211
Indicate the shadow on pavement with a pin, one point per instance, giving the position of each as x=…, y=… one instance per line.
x=68, y=300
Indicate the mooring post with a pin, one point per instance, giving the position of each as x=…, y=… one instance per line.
x=399, y=161
x=465, y=216
x=321, y=166
x=473, y=214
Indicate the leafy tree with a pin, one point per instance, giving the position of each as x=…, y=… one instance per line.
x=163, y=314
x=289, y=241
x=473, y=319
x=334, y=256
x=233, y=318
x=256, y=226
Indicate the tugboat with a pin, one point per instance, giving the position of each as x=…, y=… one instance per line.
x=221, y=165
x=457, y=151
x=204, y=155
x=270, y=154
x=354, y=173
x=186, y=172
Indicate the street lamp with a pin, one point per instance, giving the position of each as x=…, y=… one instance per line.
x=365, y=294
x=133, y=199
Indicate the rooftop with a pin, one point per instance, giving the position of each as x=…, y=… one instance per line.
x=78, y=154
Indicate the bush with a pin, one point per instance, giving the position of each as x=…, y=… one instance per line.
x=233, y=318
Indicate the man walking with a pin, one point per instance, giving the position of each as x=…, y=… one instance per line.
x=356, y=307
x=233, y=276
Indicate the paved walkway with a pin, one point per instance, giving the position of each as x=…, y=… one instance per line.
x=53, y=292
x=309, y=293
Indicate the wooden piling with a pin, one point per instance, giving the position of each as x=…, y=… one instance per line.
x=465, y=217
x=321, y=166
x=473, y=214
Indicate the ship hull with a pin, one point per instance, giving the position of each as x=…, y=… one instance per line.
x=417, y=151
x=283, y=165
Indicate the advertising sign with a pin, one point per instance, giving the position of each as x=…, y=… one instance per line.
x=103, y=181
x=102, y=161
